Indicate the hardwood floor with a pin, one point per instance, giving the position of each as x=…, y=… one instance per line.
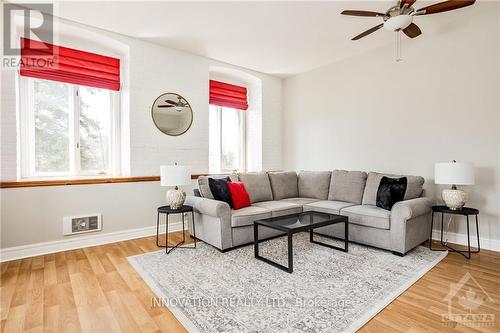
x=96, y=290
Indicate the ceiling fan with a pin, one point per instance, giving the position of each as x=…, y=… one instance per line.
x=179, y=105
x=400, y=17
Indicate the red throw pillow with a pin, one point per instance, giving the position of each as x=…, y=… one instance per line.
x=239, y=195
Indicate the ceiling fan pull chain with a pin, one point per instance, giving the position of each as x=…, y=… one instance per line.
x=399, y=52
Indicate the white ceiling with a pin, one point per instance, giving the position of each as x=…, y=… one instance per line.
x=280, y=38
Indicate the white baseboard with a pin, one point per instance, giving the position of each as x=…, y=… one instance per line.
x=461, y=239
x=71, y=243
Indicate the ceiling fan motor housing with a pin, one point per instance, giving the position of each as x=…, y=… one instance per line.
x=397, y=23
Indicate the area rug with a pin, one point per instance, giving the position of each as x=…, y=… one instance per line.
x=328, y=291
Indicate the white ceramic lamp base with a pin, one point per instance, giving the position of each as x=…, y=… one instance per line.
x=176, y=198
x=454, y=199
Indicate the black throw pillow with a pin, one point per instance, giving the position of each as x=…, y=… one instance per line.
x=390, y=191
x=219, y=190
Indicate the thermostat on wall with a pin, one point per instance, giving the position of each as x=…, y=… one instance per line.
x=81, y=224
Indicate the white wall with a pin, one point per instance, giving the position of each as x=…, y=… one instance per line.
x=441, y=103
x=32, y=215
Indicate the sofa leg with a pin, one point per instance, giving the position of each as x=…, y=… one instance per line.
x=399, y=254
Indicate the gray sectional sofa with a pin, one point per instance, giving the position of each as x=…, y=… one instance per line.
x=350, y=193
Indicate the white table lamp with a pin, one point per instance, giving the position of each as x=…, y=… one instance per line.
x=454, y=173
x=175, y=175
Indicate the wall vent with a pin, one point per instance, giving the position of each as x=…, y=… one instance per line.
x=82, y=224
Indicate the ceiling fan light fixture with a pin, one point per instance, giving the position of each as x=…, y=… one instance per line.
x=397, y=23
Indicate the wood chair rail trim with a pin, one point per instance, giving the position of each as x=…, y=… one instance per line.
x=83, y=181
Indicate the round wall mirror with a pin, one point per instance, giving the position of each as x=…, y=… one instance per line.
x=172, y=114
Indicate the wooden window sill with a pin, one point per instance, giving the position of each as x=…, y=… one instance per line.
x=81, y=181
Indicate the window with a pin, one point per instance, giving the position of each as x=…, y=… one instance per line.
x=67, y=129
x=227, y=146
x=227, y=139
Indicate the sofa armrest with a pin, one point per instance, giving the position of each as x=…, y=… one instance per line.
x=212, y=221
x=410, y=224
x=209, y=207
x=408, y=209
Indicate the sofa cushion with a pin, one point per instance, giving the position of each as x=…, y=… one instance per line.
x=239, y=195
x=246, y=216
x=327, y=206
x=284, y=184
x=367, y=215
x=300, y=201
x=390, y=191
x=220, y=191
x=414, y=187
x=314, y=184
x=347, y=186
x=280, y=208
x=205, y=188
x=257, y=185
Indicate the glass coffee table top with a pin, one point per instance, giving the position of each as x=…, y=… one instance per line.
x=294, y=223
x=300, y=222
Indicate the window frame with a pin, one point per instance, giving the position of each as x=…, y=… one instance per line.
x=27, y=134
x=242, y=122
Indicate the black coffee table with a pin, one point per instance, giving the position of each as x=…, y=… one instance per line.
x=295, y=223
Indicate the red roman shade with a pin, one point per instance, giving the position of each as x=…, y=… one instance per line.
x=57, y=63
x=228, y=95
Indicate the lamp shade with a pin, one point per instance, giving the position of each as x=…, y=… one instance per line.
x=454, y=173
x=174, y=175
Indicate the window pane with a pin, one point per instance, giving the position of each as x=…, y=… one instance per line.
x=51, y=113
x=231, y=139
x=95, y=125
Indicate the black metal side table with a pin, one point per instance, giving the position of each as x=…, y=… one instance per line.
x=167, y=211
x=465, y=211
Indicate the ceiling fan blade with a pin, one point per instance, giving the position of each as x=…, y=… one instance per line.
x=362, y=13
x=369, y=31
x=412, y=30
x=445, y=6
x=165, y=106
x=171, y=102
x=408, y=3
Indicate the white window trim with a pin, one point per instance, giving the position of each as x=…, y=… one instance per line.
x=243, y=162
x=27, y=137
x=243, y=141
